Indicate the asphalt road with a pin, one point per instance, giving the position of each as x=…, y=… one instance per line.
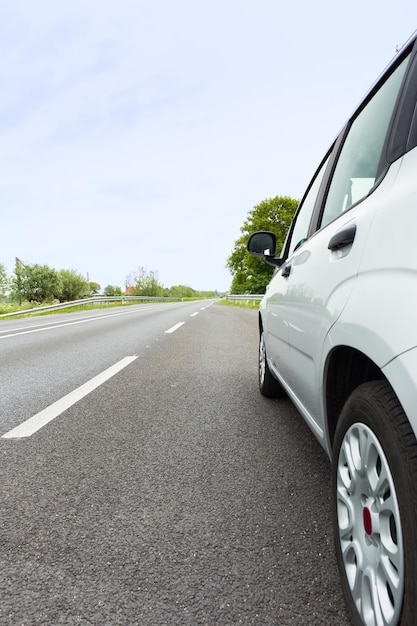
x=172, y=493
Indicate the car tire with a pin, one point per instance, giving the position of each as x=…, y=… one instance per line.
x=374, y=500
x=268, y=384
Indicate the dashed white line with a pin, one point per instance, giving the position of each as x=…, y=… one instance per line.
x=34, y=423
x=174, y=328
x=194, y=314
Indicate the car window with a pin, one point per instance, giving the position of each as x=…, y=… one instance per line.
x=357, y=165
x=303, y=217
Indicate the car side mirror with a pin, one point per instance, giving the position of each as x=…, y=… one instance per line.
x=263, y=244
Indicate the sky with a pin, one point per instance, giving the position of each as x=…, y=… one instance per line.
x=140, y=133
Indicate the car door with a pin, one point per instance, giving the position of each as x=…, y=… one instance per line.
x=320, y=273
x=276, y=325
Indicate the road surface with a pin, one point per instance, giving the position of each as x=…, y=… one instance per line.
x=146, y=481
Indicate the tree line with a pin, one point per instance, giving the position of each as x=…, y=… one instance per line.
x=41, y=284
x=38, y=284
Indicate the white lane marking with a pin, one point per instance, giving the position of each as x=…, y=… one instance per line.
x=174, y=328
x=42, y=328
x=39, y=329
x=34, y=423
x=194, y=314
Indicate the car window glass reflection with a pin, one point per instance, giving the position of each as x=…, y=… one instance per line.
x=357, y=167
x=302, y=223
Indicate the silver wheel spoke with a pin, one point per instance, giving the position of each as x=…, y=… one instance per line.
x=370, y=601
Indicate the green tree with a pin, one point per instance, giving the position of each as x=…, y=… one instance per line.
x=144, y=283
x=93, y=288
x=16, y=282
x=182, y=291
x=112, y=290
x=35, y=283
x=73, y=285
x=208, y=294
x=4, y=282
x=250, y=274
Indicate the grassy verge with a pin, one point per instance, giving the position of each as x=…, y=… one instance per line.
x=245, y=304
x=7, y=308
x=14, y=308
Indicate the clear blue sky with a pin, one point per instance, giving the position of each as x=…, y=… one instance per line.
x=139, y=133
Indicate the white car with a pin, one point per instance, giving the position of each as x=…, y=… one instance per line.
x=338, y=335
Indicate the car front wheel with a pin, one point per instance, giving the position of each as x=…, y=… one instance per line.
x=374, y=498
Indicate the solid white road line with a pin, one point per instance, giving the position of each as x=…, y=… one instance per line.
x=15, y=332
x=174, y=328
x=42, y=418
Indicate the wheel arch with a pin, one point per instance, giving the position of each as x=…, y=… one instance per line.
x=345, y=370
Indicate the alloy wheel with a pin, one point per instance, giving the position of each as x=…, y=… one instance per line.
x=369, y=527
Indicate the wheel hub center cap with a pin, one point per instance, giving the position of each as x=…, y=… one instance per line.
x=367, y=521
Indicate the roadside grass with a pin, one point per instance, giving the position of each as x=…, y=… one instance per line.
x=7, y=309
x=245, y=304
x=82, y=307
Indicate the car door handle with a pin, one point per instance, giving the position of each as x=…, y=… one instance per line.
x=286, y=270
x=342, y=238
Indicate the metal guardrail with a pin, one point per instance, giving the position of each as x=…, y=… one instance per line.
x=122, y=299
x=93, y=300
x=244, y=297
